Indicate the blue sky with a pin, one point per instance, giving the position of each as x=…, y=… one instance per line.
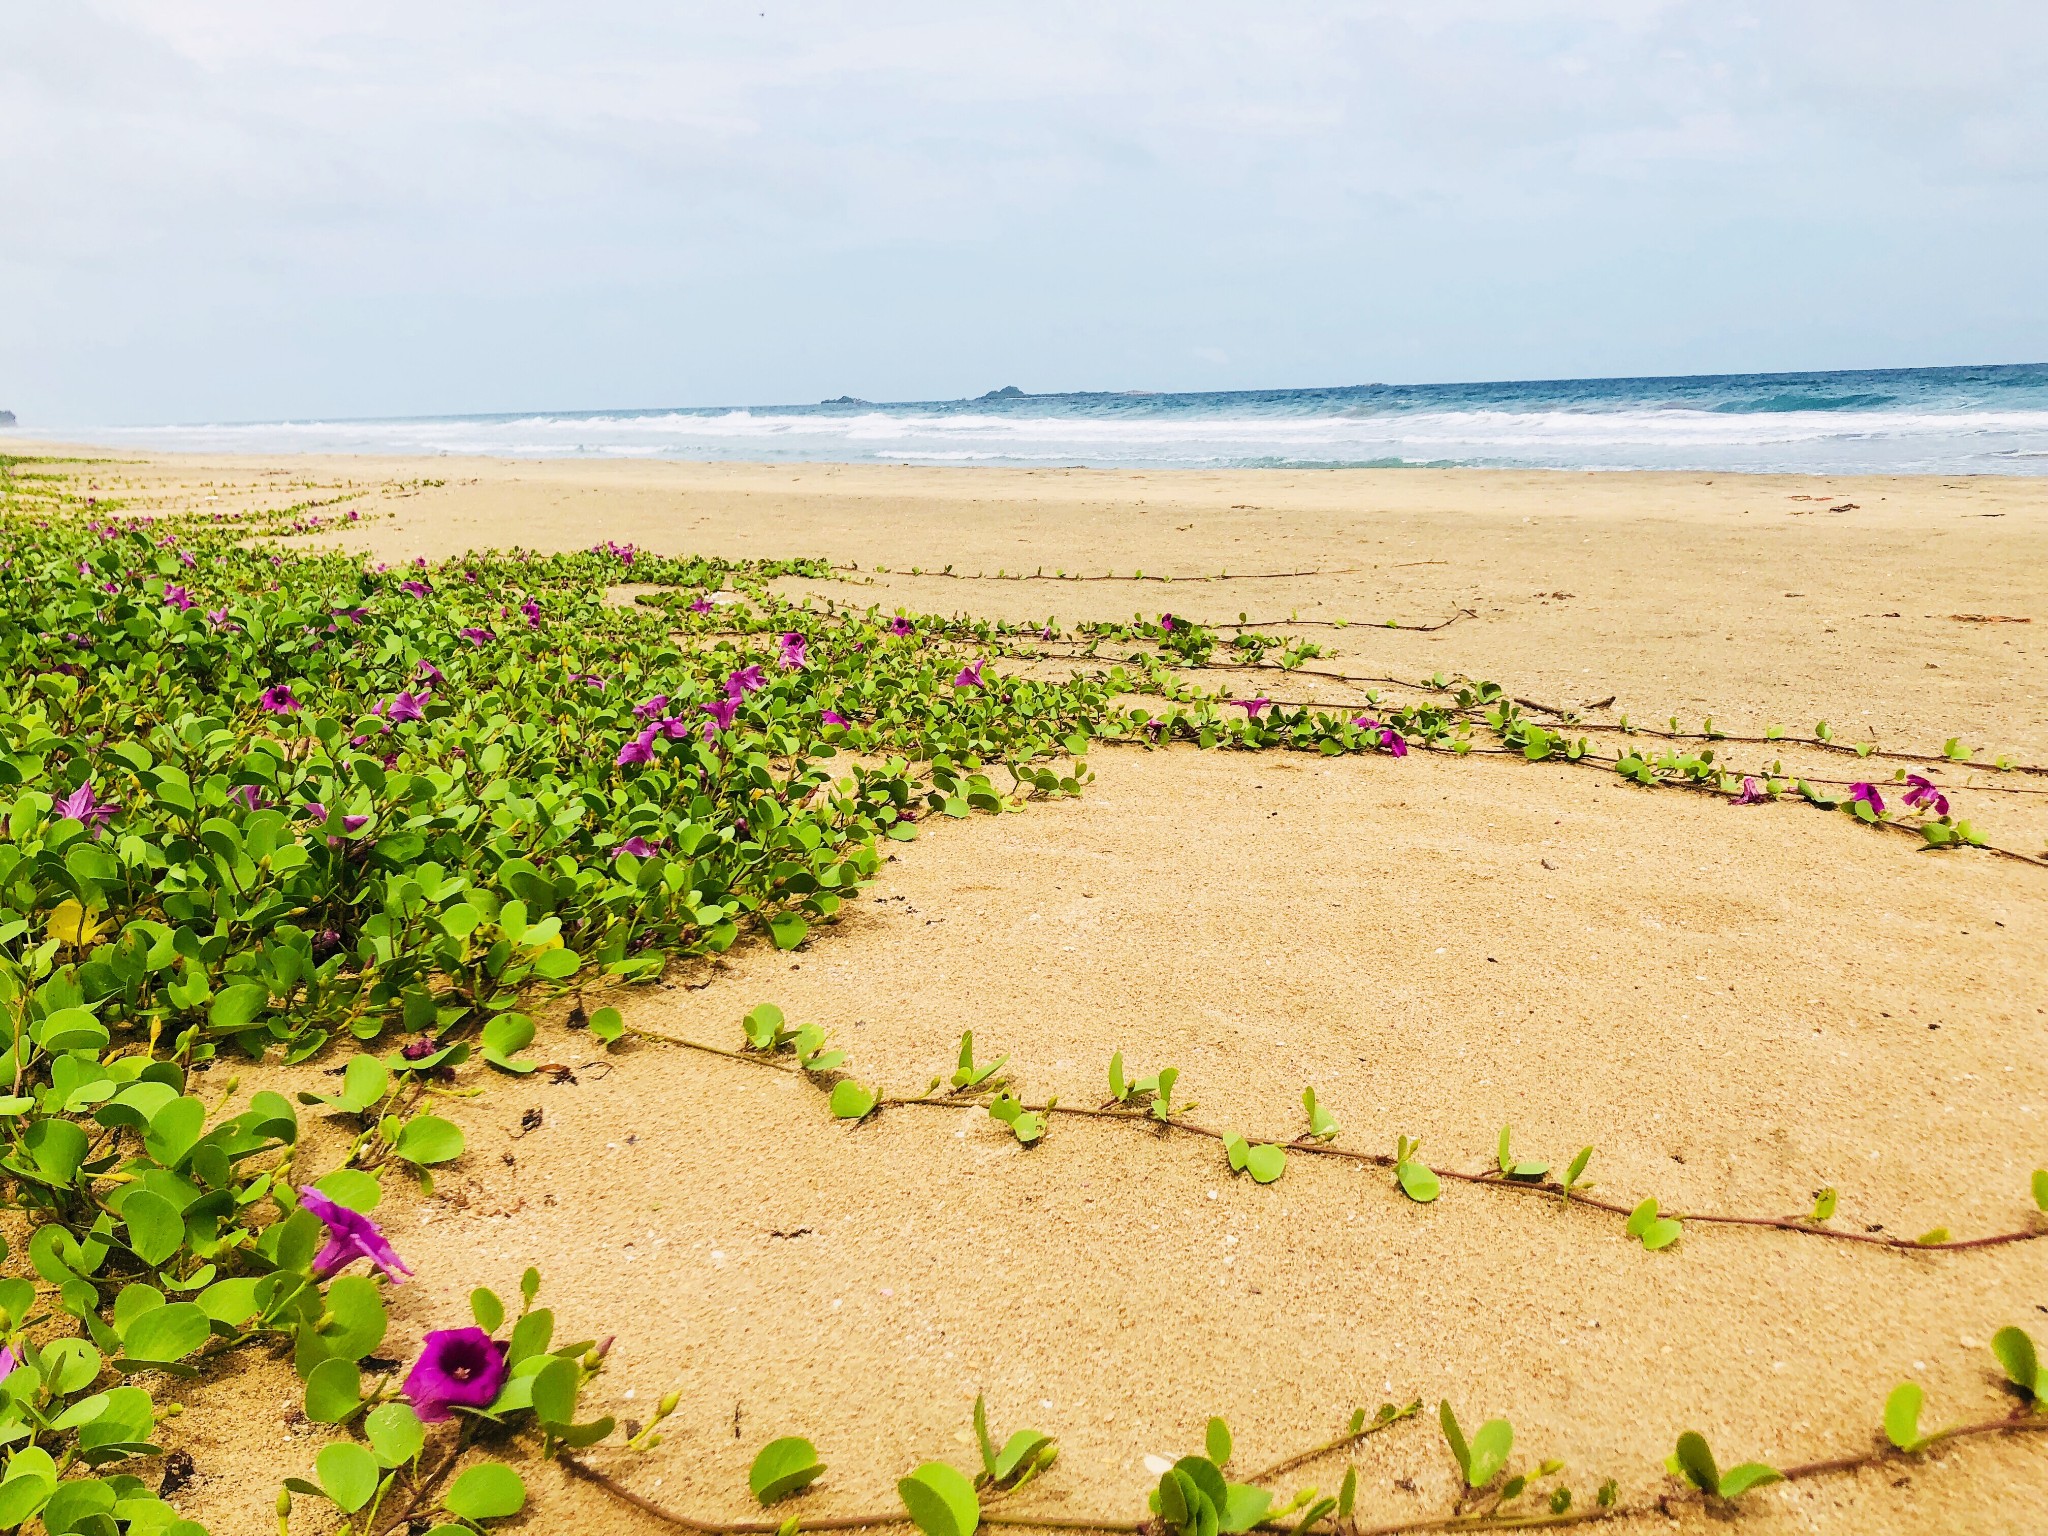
x=253, y=211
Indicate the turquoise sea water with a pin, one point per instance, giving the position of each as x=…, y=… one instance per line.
x=1989, y=420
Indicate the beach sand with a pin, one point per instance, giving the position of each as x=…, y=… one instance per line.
x=1736, y=1007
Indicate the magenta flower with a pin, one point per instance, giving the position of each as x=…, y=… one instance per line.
x=82, y=807
x=178, y=598
x=419, y=1049
x=247, y=796
x=406, y=707
x=969, y=676
x=639, y=847
x=1253, y=708
x=532, y=611
x=479, y=636
x=1153, y=728
x=429, y=673
x=794, y=648
x=833, y=717
x=185, y=559
x=1868, y=795
x=1168, y=622
x=350, y=1236
x=648, y=708
x=901, y=626
x=1752, y=793
x=218, y=617
x=745, y=681
x=278, y=700
x=723, y=711
x=587, y=679
x=702, y=605
x=9, y=1362
x=1392, y=743
x=1923, y=795
x=639, y=750
x=457, y=1368
x=414, y=588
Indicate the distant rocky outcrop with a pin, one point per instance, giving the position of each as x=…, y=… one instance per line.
x=6, y=418
x=1007, y=392
x=847, y=400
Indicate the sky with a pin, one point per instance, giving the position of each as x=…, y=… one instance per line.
x=253, y=211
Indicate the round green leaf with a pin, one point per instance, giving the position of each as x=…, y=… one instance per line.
x=348, y=1475
x=395, y=1433
x=333, y=1391
x=155, y=1229
x=941, y=1502
x=1418, y=1182
x=783, y=1467
x=428, y=1139
x=1265, y=1162
x=486, y=1491
x=167, y=1333
x=850, y=1100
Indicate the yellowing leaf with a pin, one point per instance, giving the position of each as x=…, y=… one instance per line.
x=70, y=923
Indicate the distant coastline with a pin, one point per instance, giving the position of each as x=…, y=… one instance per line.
x=1958, y=420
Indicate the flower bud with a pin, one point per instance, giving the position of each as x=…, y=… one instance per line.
x=670, y=1403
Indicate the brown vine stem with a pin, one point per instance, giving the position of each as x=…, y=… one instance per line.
x=1831, y=1466
x=424, y=1487
x=1112, y=576
x=1342, y=1442
x=968, y=1098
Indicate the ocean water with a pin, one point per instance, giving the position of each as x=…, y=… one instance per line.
x=1950, y=421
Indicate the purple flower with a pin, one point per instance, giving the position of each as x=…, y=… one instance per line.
x=429, y=673
x=1168, y=622
x=315, y=809
x=185, y=559
x=354, y=823
x=532, y=611
x=414, y=588
x=479, y=636
x=1867, y=794
x=9, y=1361
x=178, y=598
x=81, y=806
x=794, y=647
x=722, y=711
x=217, y=617
x=1153, y=728
x=646, y=709
x=969, y=676
x=639, y=847
x=902, y=626
x=417, y=1050
x=457, y=1368
x=702, y=605
x=350, y=1236
x=639, y=750
x=745, y=681
x=1752, y=793
x=278, y=700
x=406, y=707
x=1922, y=794
x=587, y=679
x=247, y=796
x=833, y=717
x=1253, y=708
x=1392, y=742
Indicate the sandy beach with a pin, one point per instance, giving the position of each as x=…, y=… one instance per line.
x=1736, y=1006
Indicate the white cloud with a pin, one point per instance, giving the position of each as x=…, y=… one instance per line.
x=248, y=209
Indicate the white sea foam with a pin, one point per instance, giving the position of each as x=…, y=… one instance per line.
x=1305, y=428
